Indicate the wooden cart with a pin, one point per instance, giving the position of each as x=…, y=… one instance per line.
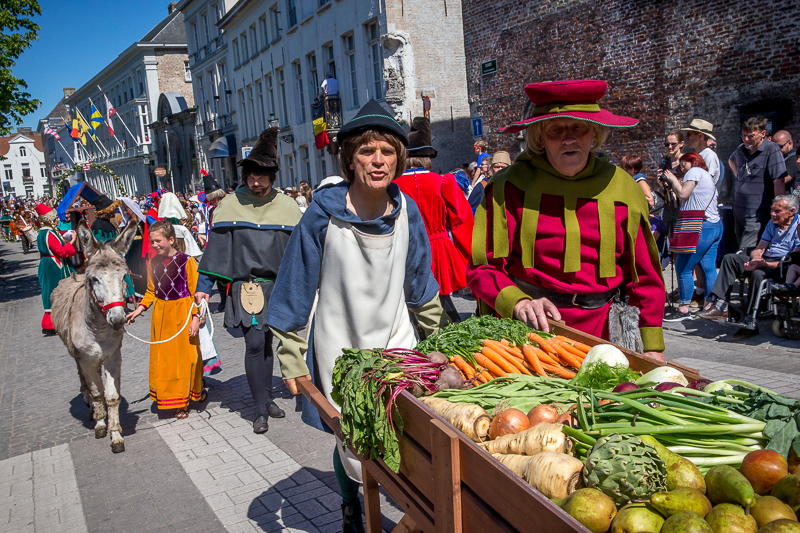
x=448, y=484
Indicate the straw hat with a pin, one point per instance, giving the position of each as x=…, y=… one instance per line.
x=703, y=126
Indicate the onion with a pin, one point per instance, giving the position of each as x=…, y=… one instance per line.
x=508, y=421
x=565, y=419
x=542, y=414
x=625, y=387
x=700, y=384
x=667, y=385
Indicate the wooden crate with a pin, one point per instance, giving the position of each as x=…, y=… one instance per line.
x=447, y=483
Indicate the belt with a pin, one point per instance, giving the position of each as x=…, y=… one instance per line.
x=561, y=299
x=255, y=280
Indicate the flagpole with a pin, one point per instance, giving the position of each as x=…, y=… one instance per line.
x=65, y=151
x=94, y=131
x=102, y=149
x=97, y=130
x=133, y=137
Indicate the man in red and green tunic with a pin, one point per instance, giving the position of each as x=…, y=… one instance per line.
x=53, y=266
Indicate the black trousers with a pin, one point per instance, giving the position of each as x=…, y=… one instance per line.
x=258, y=366
x=732, y=268
x=749, y=230
x=223, y=293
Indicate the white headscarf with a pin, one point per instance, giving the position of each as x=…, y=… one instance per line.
x=170, y=207
x=133, y=206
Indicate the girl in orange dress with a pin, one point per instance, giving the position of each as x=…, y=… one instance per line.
x=176, y=367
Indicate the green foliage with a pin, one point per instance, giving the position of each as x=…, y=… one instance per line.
x=781, y=414
x=465, y=337
x=18, y=32
x=602, y=376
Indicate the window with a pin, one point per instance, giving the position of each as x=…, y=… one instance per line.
x=260, y=104
x=119, y=96
x=290, y=167
x=41, y=169
x=196, y=37
x=301, y=108
x=276, y=23
x=226, y=91
x=291, y=11
x=124, y=92
x=243, y=42
x=252, y=109
x=323, y=164
x=243, y=110
x=327, y=54
x=376, y=58
x=313, y=78
x=306, y=163
x=22, y=151
x=140, y=81
x=187, y=71
x=282, y=94
x=214, y=90
x=201, y=89
x=204, y=18
x=253, y=39
x=215, y=8
x=270, y=95
x=9, y=173
x=350, y=52
x=237, y=60
x=262, y=25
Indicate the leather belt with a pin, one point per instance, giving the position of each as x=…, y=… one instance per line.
x=561, y=299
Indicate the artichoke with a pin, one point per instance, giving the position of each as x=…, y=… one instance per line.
x=625, y=468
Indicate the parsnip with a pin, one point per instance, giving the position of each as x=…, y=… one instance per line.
x=556, y=475
x=532, y=441
x=471, y=420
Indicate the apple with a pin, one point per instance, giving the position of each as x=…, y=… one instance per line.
x=763, y=468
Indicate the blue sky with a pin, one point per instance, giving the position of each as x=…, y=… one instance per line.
x=77, y=39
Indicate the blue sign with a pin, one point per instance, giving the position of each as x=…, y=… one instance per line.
x=477, y=127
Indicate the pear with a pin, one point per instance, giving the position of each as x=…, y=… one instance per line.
x=724, y=484
x=769, y=508
x=783, y=525
x=686, y=522
x=680, y=499
x=730, y=518
x=591, y=508
x=637, y=518
x=681, y=472
x=787, y=490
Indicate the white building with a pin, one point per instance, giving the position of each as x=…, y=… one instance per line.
x=264, y=59
x=133, y=82
x=24, y=167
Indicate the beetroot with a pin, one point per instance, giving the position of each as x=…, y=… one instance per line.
x=700, y=384
x=667, y=385
x=625, y=387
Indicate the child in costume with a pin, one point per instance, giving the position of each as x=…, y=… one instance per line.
x=176, y=367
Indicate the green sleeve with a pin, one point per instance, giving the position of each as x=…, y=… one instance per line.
x=652, y=339
x=291, y=354
x=431, y=316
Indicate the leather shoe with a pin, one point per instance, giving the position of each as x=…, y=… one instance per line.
x=713, y=314
x=275, y=411
x=351, y=518
x=261, y=424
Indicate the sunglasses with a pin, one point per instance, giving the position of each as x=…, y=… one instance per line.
x=670, y=145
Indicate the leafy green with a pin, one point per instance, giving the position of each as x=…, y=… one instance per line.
x=781, y=414
x=602, y=376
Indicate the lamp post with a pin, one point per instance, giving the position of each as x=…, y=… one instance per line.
x=273, y=121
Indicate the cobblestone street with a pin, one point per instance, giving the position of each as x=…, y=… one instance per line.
x=209, y=472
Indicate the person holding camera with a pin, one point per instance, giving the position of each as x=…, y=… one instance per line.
x=698, y=229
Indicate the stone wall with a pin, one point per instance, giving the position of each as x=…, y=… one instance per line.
x=665, y=63
x=171, y=75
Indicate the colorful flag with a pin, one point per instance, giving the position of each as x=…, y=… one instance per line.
x=96, y=119
x=72, y=130
x=320, y=133
x=84, y=128
x=51, y=131
x=110, y=112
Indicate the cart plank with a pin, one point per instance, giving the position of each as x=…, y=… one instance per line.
x=447, y=479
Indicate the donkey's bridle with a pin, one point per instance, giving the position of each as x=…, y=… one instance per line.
x=104, y=308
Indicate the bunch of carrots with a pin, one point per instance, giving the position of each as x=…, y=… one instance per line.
x=556, y=355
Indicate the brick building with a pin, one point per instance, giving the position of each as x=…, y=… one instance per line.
x=665, y=63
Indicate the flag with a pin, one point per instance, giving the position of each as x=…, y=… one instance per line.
x=110, y=112
x=95, y=118
x=84, y=128
x=72, y=130
x=320, y=133
x=51, y=131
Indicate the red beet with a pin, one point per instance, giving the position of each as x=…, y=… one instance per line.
x=700, y=384
x=625, y=387
x=667, y=385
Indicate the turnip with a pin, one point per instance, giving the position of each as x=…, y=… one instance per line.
x=538, y=439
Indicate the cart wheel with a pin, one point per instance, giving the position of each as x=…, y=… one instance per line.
x=778, y=329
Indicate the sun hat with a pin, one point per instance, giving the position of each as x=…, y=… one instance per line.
x=372, y=117
x=702, y=126
x=501, y=157
x=570, y=99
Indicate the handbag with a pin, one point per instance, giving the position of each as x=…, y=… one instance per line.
x=252, y=300
x=687, y=230
x=207, y=348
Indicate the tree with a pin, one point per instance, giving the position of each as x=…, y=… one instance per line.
x=18, y=32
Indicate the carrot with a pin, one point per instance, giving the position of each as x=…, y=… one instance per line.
x=546, y=346
x=543, y=357
x=533, y=360
x=573, y=350
x=499, y=360
x=567, y=358
x=493, y=369
x=558, y=371
x=484, y=376
x=465, y=367
x=505, y=352
x=522, y=368
x=505, y=342
x=578, y=345
x=515, y=351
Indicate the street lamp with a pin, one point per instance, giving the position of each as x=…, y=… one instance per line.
x=273, y=121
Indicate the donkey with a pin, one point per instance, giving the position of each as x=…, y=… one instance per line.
x=88, y=313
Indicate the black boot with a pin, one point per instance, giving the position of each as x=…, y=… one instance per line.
x=351, y=518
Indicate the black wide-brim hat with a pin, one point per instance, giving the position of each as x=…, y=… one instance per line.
x=372, y=117
x=265, y=153
x=101, y=202
x=420, y=139
x=210, y=184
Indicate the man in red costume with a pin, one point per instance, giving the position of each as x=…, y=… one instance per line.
x=444, y=210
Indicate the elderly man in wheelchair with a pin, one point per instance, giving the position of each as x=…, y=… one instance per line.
x=766, y=264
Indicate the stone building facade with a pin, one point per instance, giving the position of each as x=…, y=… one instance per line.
x=268, y=59
x=665, y=64
x=23, y=164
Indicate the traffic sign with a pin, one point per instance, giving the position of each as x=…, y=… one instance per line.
x=477, y=127
x=246, y=151
x=488, y=67
x=160, y=172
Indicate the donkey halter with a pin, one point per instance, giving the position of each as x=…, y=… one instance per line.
x=104, y=308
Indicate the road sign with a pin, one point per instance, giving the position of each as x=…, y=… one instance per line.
x=477, y=127
x=160, y=172
x=488, y=67
x=246, y=151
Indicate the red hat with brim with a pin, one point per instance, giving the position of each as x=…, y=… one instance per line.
x=569, y=99
x=43, y=209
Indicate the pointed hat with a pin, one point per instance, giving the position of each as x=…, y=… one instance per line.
x=265, y=153
x=420, y=139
